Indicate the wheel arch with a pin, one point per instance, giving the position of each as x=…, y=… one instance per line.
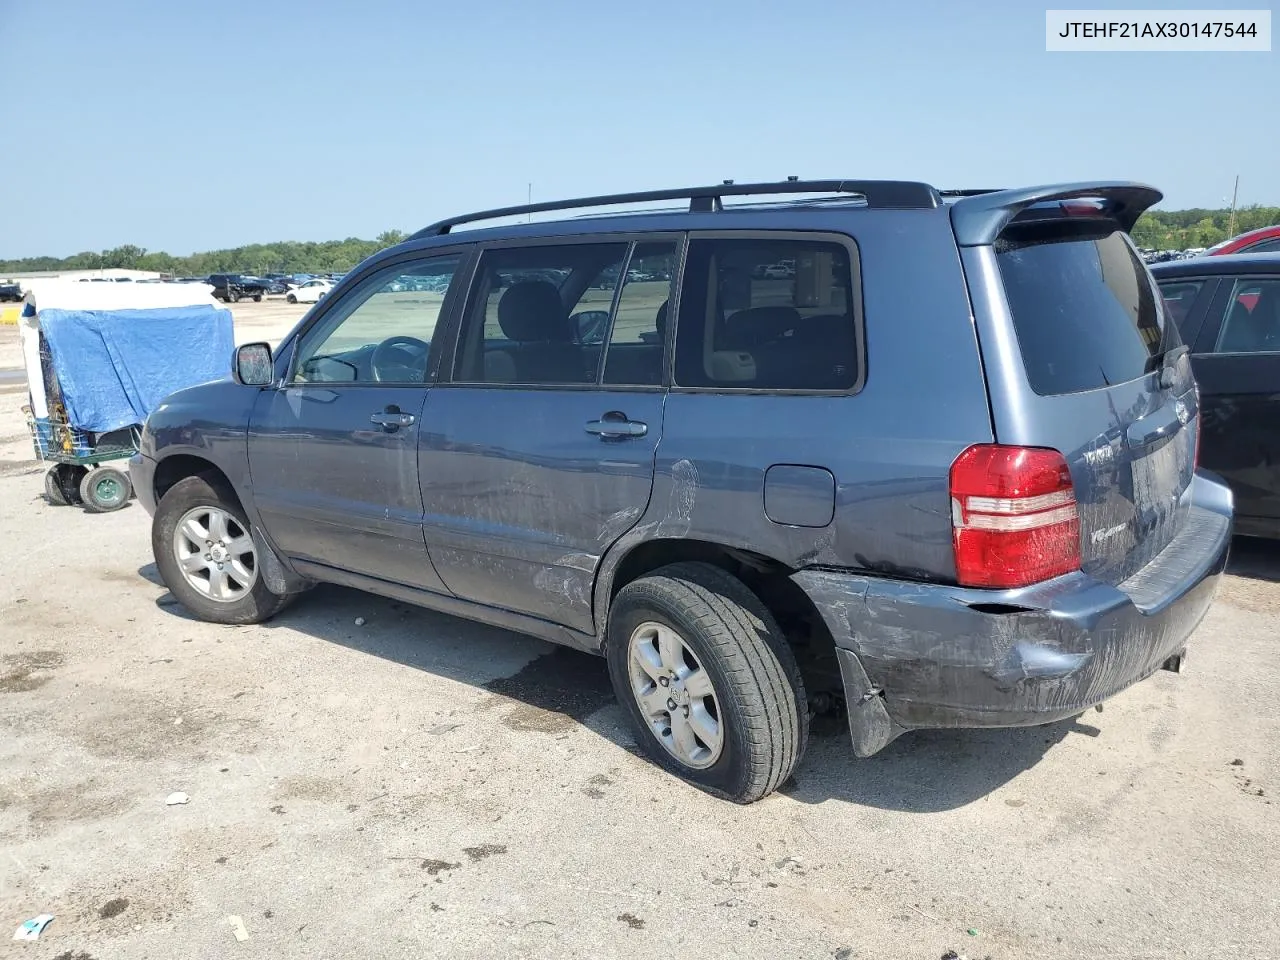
x=179, y=466
x=768, y=578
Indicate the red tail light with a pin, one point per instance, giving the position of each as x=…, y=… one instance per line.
x=1013, y=516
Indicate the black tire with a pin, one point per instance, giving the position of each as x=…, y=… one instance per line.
x=105, y=489
x=53, y=488
x=257, y=604
x=72, y=474
x=291, y=298
x=257, y=298
x=236, y=298
x=761, y=698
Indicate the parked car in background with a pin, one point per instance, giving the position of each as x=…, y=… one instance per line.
x=10, y=292
x=1262, y=240
x=1228, y=309
x=993, y=518
x=313, y=291
x=234, y=287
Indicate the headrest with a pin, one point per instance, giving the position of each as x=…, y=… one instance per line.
x=661, y=321
x=762, y=324
x=532, y=311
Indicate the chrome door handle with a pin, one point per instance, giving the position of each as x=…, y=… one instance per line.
x=614, y=425
x=393, y=419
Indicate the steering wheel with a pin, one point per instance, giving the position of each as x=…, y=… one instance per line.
x=400, y=360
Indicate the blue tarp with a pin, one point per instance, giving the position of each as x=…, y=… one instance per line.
x=115, y=366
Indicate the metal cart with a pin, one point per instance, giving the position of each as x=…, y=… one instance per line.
x=81, y=471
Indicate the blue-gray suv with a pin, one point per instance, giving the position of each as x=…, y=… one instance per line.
x=928, y=455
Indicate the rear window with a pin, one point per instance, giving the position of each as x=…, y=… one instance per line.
x=764, y=313
x=1085, y=309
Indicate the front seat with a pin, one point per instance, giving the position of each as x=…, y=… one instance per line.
x=534, y=319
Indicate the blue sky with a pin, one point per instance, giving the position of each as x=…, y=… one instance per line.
x=186, y=126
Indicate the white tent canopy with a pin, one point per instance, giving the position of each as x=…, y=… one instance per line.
x=78, y=295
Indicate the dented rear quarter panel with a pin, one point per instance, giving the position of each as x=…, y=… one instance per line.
x=889, y=445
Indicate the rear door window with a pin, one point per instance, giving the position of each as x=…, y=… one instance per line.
x=537, y=314
x=1252, y=321
x=1086, y=311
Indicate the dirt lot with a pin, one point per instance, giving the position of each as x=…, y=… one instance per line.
x=420, y=786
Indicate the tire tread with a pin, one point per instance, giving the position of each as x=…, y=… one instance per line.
x=752, y=651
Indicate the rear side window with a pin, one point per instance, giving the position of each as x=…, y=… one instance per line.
x=1085, y=309
x=1252, y=322
x=768, y=314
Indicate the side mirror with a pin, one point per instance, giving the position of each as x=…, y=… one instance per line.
x=590, y=326
x=253, y=366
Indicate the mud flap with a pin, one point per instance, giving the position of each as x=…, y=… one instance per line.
x=870, y=727
x=279, y=579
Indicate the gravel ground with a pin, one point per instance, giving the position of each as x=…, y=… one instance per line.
x=419, y=786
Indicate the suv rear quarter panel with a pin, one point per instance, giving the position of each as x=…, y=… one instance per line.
x=889, y=445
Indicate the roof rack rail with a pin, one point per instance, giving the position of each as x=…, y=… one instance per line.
x=881, y=194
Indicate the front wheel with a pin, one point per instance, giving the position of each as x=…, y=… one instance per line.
x=257, y=298
x=291, y=298
x=708, y=681
x=53, y=486
x=207, y=557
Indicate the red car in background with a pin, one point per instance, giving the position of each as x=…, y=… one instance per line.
x=1262, y=240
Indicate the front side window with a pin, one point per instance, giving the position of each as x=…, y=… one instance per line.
x=381, y=330
x=768, y=314
x=1252, y=321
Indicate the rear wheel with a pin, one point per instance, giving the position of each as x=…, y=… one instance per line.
x=257, y=298
x=105, y=489
x=708, y=681
x=206, y=555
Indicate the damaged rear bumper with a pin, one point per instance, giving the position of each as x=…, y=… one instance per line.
x=918, y=655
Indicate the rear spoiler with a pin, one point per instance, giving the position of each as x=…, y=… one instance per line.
x=978, y=219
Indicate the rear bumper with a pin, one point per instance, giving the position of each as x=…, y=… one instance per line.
x=919, y=655
x=142, y=475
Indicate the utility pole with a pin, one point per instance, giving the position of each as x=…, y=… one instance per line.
x=1231, y=223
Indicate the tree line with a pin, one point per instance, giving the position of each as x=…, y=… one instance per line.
x=1186, y=229
x=1155, y=230
x=286, y=256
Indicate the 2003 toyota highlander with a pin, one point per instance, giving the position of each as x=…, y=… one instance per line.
x=929, y=454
